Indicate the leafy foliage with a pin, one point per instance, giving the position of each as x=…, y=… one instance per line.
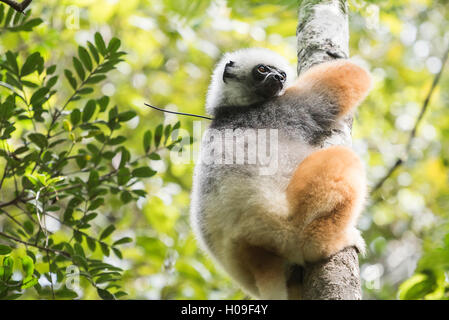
x=11, y=20
x=64, y=168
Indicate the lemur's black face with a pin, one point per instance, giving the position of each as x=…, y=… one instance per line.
x=267, y=81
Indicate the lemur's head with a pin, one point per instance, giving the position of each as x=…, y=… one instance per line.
x=246, y=77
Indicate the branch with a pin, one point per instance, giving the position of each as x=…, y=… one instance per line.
x=323, y=35
x=19, y=7
x=59, y=252
x=79, y=185
x=334, y=279
x=412, y=135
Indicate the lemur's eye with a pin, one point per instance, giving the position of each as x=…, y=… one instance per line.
x=262, y=69
x=284, y=74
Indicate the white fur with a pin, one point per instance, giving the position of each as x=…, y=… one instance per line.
x=234, y=93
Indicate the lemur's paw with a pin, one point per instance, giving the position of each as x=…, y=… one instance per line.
x=314, y=252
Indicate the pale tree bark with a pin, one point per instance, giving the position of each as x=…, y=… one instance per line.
x=323, y=35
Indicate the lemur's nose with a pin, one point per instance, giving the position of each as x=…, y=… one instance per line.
x=279, y=77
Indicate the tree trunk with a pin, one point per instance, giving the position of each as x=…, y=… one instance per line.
x=323, y=35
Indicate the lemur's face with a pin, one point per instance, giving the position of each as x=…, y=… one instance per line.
x=266, y=81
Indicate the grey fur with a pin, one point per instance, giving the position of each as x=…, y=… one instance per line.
x=312, y=119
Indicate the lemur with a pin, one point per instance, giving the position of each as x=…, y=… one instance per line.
x=257, y=226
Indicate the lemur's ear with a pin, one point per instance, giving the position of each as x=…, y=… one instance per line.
x=226, y=72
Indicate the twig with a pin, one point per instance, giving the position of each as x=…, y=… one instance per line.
x=11, y=217
x=424, y=108
x=11, y=202
x=180, y=113
x=20, y=7
x=60, y=252
x=24, y=200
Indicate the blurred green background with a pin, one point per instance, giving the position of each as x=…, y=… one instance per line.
x=172, y=47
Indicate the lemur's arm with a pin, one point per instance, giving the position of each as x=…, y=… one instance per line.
x=334, y=88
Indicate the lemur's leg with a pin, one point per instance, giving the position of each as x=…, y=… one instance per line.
x=268, y=271
x=326, y=195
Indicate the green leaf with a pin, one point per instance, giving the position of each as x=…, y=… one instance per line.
x=90, y=217
x=117, y=140
x=75, y=116
x=38, y=95
x=51, y=69
x=126, y=196
x=91, y=243
x=87, y=90
x=113, y=45
x=118, y=253
x=39, y=139
x=95, y=79
x=80, y=261
x=143, y=172
x=89, y=110
x=31, y=64
x=29, y=227
x=94, y=179
x=123, y=176
x=140, y=192
x=85, y=58
x=27, y=266
x=79, y=250
x=147, y=141
x=104, y=294
x=4, y=249
x=107, y=232
x=9, y=15
x=95, y=204
x=167, y=131
x=93, y=51
x=17, y=17
x=28, y=283
x=154, y=156
x=417, y=286
x=122, y=241
x=79, y=68
x=30, y=24
x=51, y=82
x=11, y=59
x=8, y=266
x=99, y=42
x=66, y=294
x=2, y=12
x=120, y=294
x=104, y=249
x=158, y=135
x=68, y=74
x=126, y=116
x=78, y=236
x=103, y=103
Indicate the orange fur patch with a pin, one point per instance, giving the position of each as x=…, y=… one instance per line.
x=323, y=194
x=342, y=79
